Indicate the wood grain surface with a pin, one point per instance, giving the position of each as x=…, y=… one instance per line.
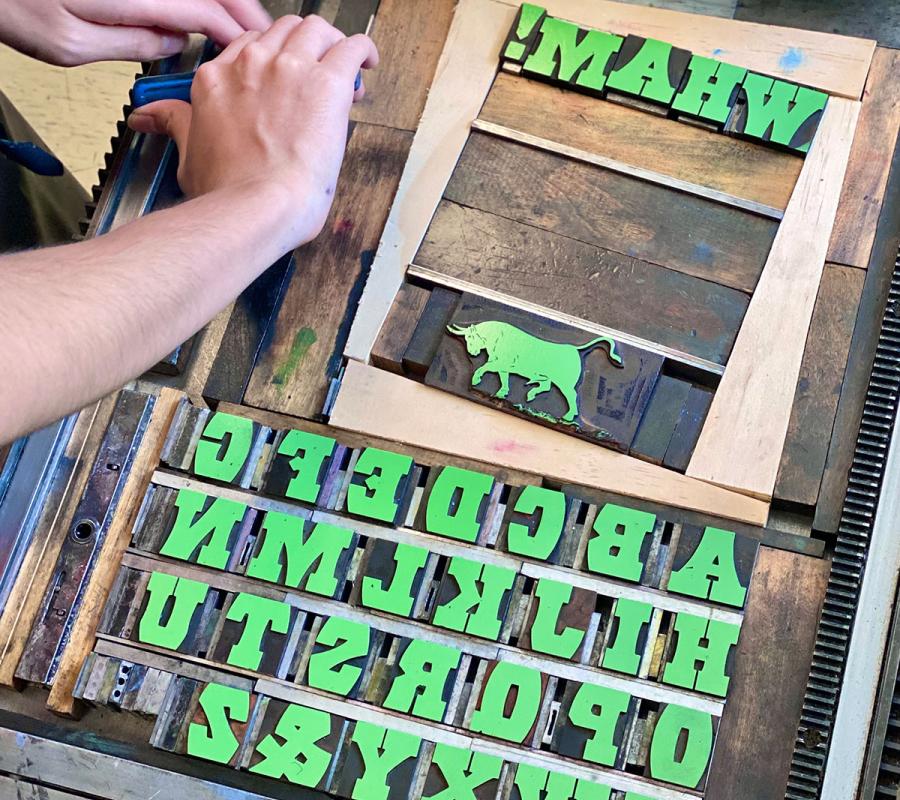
x=756, y=737
x=819, y=385
x=617, y=212
x=676, y=310
x=740, y=445
x=411, y=413
x=870, y=162
x=650, y=141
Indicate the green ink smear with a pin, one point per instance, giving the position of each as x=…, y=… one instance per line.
x=305, y=338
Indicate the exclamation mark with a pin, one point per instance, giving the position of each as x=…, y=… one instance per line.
x=523, y=32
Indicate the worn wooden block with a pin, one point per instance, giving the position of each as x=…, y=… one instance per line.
x=398, y=328
x=473, y=597
x=636, y=70
x=429, y=331
x=537, y=522
x=627, y=135
x=299, y=465
x=243, y=616
x=687, y=431
x=168, y=733
x=696, y=317
x=506, y=705
x=613, y=211
x=660, y=419
x=391, y=577
x=819, y=386
x=155, y=518
x=181, y=441
x=558, y=620
x=592, y=386
x=682, y=742
x=452, y=769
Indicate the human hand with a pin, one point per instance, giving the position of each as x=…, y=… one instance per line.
x=71, y=32
x=269, y=116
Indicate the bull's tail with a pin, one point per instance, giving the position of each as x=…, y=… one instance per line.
x=613, y=354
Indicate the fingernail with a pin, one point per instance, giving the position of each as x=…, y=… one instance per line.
x=172, y=45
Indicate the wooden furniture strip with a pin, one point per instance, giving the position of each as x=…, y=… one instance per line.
x=677, y=311
x=399, y=327
x=819, y=386
x=741, y=443
x=294, y=370
x=410, y=36
x=28, y=592
x=711, y=8
x=870, y=163
x=81, y=639
x=617, y=212
x=441, y=279
x=771, y=664
x=835, y=64
x=409, y=412
x=462, y=80
x=663, y=149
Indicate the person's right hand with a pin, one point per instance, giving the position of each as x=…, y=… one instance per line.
x=269, y=116
x=71, y=32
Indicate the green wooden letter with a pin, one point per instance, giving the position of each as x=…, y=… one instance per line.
x=299, y=759
x=504, y=680
x=259, y=614
x=537, y=783
x=308, y=451
x=214, y=458
x=161, y=588
x=397, y=598
x=708, y=93
x=598, y=709
x=560, y=48
x=681, y=746
x=616, y=549
x=454, y=502
x=419, y=689
x=215, y=741
x=476, y=609
x=286, y=548
x=552, y=505
x=703, y=641
x=354, y=638
x=778, y=105
x=631, y=617
x=710, y=573
x=194, y=526
x=382, y=751
x=376, y=498
x=647, y=74
x=463, y=771
x=552, y=596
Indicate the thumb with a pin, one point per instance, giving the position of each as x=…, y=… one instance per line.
x=167, y=117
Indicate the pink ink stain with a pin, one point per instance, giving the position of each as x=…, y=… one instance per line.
x=342, y=226
x=510, y=446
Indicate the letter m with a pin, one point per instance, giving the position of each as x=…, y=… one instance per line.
x=564, y=47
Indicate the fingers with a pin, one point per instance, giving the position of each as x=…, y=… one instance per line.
x=170, y=118
x=313, y=38
x=230, y=53
x=352, y=54
x=248, y=13
x=208, y=17
x=276, y=37
x=122, y=42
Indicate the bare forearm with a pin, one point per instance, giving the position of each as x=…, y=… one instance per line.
x=80, y=320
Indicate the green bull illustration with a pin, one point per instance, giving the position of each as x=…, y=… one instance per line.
x=511, y=351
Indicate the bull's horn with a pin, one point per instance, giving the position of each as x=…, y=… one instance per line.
x=457, y=330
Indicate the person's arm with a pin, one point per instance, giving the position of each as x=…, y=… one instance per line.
x=261, y=150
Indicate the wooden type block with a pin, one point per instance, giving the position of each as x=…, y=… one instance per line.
x=681, y=746
x=228, y=448
x=134, y=682
x=558, y=620
x=460, y=770
x=380, y=486
x=596, y=387
x=155, y=519
x=627, y=636
x=169, y=733
x=695, y=317
x=609, y=210
x=708, y=91
x=507, y=704
x=525, y=29
x=127, y=592
x=299, y=465
x=456, y=503
x=181, y=442
x=702, y=565
x=90, y=677
x=702, y=654
x=153, y=691
x=429, y=331
x=365, y=746
x=254, y=633
x=687, y=431
x=656, y=143
x=198, y=724
x=176, y=613
x=660, y=419
x=398, y=328
x=341, y=657
x=819, y=385
x=535, y=523
x=592, y=723
x=391, y=576
x=284, y=741
x=649, y=69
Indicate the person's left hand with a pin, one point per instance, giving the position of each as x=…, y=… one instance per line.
x=72, y=32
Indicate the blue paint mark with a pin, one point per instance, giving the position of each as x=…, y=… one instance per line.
x=718, y=51
x=793, y=57
x=704, y=253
